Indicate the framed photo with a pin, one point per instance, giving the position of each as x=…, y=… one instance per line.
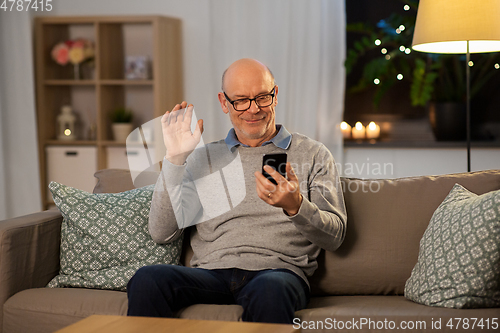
x=137, y=68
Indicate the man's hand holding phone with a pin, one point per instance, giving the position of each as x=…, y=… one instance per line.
x=177, y=136
x=285, y=194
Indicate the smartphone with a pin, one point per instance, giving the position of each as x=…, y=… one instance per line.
x=277, y=162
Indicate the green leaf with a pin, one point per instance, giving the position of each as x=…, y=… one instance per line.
x=381, y=91
x=422, y=86
x=358, y=46
x=359, y=27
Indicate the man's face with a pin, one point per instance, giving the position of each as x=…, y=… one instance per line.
x=257, y=124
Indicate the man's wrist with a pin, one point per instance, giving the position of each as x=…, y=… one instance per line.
x=293, y=212
x=179, y=159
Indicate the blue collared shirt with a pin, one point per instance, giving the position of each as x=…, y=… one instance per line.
x=281, y=140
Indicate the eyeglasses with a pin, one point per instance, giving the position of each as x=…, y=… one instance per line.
x=245, y=103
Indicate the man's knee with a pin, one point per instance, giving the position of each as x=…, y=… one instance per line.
x=281, y=278
x=148, y=277
x=273, y=296
x=146, y=293
x=141, y=278
x=278, y=284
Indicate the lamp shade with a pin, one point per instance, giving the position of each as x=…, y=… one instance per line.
x=445, y=26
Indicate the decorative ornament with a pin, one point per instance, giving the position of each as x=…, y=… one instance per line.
x=66, y=120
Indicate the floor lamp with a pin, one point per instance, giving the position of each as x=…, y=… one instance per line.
x=458, y=26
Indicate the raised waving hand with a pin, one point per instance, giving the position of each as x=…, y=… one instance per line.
x=178, y=138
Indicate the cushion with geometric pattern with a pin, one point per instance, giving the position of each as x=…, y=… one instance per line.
x=105, y=237
x=458, y=263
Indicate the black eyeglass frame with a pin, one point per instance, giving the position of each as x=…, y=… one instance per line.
x=272, y=93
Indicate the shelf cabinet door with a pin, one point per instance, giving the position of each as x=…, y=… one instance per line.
x=135, y=159
x=72, y=166
x=116, y=158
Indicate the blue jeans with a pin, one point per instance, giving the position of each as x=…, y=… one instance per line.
x=271, y=295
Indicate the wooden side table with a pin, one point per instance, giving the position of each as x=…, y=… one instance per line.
x=122, y=324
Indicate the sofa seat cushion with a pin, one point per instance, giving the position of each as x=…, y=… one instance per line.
x=230, y=312
x=50, y=309
x=390, y=308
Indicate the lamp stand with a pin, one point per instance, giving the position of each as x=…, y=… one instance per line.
x=467, y=73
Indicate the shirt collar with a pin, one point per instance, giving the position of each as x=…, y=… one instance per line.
x=281, y=140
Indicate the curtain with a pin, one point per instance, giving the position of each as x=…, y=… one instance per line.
x=19, y=180
x=303, y=43
x=3, y=187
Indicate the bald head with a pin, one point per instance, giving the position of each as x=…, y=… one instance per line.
x=249, y=82
x=244, y=68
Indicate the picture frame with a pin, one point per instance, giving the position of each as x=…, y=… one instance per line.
x=137, y=68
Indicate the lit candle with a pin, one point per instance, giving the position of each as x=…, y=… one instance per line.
x=372, y=131
x=346, y=130
x=358, y=132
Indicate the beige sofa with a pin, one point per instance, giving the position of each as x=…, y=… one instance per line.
x=362, y=282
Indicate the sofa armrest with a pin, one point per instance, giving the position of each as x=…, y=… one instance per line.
x=29, y=251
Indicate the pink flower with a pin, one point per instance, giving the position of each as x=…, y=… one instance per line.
x=60, y=54
x=74, y=51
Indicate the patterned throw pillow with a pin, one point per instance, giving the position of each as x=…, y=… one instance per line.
x=459, y=260
x=105, y=237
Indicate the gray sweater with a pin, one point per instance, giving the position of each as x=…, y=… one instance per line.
x=234, y=228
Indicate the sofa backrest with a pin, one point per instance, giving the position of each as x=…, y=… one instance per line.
x=385, y=222
x=386, y=219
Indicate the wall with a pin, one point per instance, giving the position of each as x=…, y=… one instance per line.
x=315, y=45
x=373, y=163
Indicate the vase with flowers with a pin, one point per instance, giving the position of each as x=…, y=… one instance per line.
x=76, y=52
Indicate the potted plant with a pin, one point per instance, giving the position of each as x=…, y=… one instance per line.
x=437, y=81
x=447, y=108
x=121, y=119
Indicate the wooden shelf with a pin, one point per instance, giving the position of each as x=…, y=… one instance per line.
x=70, y=143
x=127, y=82
x=134, y=144
x=102, y=82
x=70, y=82
x=104, y=87
x=110, y=143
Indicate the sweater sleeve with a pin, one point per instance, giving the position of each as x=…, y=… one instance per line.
x=175, y=204
x=322, y=216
